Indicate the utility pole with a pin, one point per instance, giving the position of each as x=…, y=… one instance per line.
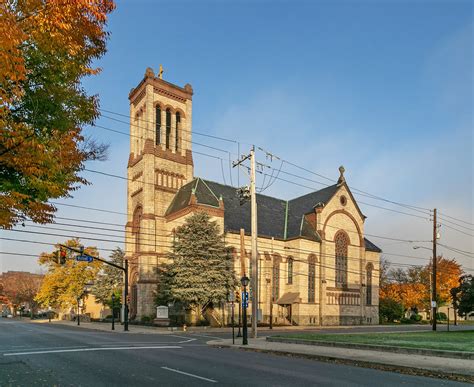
x=253, y=205
x=254, y=233
x=433, y=290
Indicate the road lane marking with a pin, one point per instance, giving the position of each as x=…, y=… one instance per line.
x=91, y=350
x=212, y=337
x=188, y=374
x=46, y=348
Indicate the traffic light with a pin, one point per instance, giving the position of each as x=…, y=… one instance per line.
x=61, y=256
x=243, y=194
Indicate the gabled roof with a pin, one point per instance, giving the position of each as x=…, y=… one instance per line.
x=277, y=218
x=305, y=204
x=203, y=194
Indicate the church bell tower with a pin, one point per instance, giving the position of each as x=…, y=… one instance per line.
x=160, y=162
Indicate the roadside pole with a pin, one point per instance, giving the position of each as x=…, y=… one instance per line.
x=113, y=311
x=125, y=324
x=233, y=324
x=254, y=274
x=78, y=312
x=433, y=296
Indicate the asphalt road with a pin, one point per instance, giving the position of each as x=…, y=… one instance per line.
x=46, y=355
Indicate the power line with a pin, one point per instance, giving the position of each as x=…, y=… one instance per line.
x=361, y=192
x=157, y=229
x=459, y=220
x=88, y=208
x=460, y=231
x=455, y=224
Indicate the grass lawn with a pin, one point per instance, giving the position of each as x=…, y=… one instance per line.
x=450, y=341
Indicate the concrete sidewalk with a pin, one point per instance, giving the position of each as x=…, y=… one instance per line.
x=457, y=369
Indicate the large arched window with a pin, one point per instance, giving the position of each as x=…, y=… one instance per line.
x=178, y=124
x=289, y=263
x=168, y=128
x=369, y=270
x=311, y=278
x=158, y=125
x=342, y=244
x=276, y=278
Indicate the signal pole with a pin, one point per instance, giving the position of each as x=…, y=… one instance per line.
x=433, y=290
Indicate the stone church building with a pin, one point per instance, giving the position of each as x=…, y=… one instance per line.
x=315, y=265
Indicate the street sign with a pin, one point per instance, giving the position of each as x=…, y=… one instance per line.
x=245, y=299
x=231, y=297
x=84, y=258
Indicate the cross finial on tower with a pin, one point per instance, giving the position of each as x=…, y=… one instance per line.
x=160, y=73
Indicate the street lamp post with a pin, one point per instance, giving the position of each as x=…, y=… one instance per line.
x=244, y=281
x=113, y=311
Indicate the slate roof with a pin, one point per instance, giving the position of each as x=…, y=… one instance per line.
x=369, y=246
x=304, y=205
x=277, y=218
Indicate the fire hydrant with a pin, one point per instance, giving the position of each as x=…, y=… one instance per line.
x=184, y=327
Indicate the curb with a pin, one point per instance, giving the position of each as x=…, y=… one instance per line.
x=363, y=364
x=374, y=347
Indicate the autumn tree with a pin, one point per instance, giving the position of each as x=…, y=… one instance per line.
x=201, y=267
x=47, y=48
x=448, y=272
x=64, y=284
x=110, y=280
x=21, y=288
x=411, y=287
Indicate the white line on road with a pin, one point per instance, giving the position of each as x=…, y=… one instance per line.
x=188, y=374
x=91, y=349
x=47, y=348
x=212, y=337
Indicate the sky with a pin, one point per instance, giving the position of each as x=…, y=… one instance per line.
x=384, y=88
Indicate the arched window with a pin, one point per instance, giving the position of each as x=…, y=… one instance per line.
x=136, y=227
x=289, y=263
x=168, y=128
x=342, y=242
x=178, y=124
x=311, y=278
x=276, y=278
x=158, y=125
x=369, y=269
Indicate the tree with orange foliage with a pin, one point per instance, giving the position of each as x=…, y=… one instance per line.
x=21, y=287
x=46, y=48
x=411, y=287
x=448, y=272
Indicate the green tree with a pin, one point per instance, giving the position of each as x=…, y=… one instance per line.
x=110, y=280
x=390, y=309
x=463, y=295
x=201, y=270
x=64, y=284
x=47, y=48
